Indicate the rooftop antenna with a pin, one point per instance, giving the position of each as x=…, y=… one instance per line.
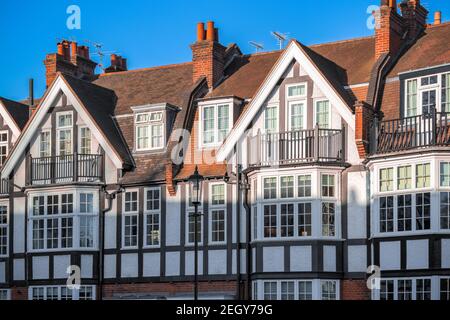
x=99, y=52
x=258, y=46
x=281, y=38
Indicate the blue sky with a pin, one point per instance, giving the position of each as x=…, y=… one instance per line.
x=151, y=33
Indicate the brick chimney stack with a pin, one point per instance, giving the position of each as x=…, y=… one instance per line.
x=389, y=29
x=70, y=59
x=415, y=17
x=118, y=64
x=208, y=55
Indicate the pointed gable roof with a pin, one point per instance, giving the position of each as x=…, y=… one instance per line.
x=19, y=112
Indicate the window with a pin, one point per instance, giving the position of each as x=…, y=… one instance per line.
x=287, y=220
x=3, y=230
x=64, y=134
x=217, y=226
x=55, y=225
x=428, y=101
x=404, y=211
x=66, y=294
x=387, y=290
x=149, y=131
x=287, y=187
x=423, y=289
x=304, y=186
x=387, y=214
x=191, y=228
x=445, y=289
x=130, y=220
x=270, y=188
x=3, y=146
x=404, y=289
x=445, y=174
x=271, y=119
x=423, y=211
x=445, y=96
x=445, y=210
x=85, y=141
x=328, y=185
x=218, y=194
x=4, y=294
x=296, y=90
x=131, y=201
x=411, y=98
x=61, y=293
x=297, y=116
x=423, y=175
x=328, y=290
x=45, y=144
x=305, y=290
x=304, y=219
x=328, y=217
x=426, y=81
x=270, y=221
x=287, y=290
x=270, y=290
x=323, y=114
x=86, y=293
x=404, y=177
x=215, y=123
x=152, y=216
x=386, y=179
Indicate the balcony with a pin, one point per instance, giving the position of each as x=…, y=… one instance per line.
x=297, y=147
x=418, y=132
x=65, y=169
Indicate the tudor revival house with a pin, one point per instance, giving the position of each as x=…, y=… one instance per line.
x=319, y=161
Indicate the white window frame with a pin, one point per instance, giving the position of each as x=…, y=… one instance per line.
x=76, y=217
x=130, y=214
x=5, y=204
x=305, y=84
x=290, y=115
x=201, y=221
x=5, y=143
x=217, y=207
x=330, y=108
x=149, y=124
x=80, y=129
x=216, y=141
x=49, y=143
x=277, y=107
x=376, y=294
x=75, y=293
x=148, y=212
x=65, y=128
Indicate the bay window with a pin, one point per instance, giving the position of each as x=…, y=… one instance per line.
x=386, y=179
x=61, y=293
x=216, y=121
x=152, y=216
x=404, y=179
x=445, y=210
x=328, y=219
x=270, y=290
x=405, y=289
x=328, y=185
x=387, y=214
x=423, y=174
x=329, y=290
x=287, y=290
x=404, y=212
x=300, y=290
x=58, y=222
x=4, y=294
x=287, y=220
x=445, y=174
x=149, y=131
x=4, y=144
x=304, y=219
x=287, y=187
x=423, y=211
x=270, y=221
x=304, y=186
x=3, y=230
x=130, y=220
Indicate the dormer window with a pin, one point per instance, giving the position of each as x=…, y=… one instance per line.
x=149, y=131
x=215, y=124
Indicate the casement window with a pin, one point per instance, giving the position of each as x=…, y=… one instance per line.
x=296, y=90
x=305, y=290
x=255, y=222
x=404, y=212
x=328, y=290
x=304, y=186
x=322, y=114
x=386, y=179
x=287, y=217
x=445, y=289
x=45, y=144
x=445, y=94
x=55, y=224
x=217, y=214
x=404, y=180
x=411, y=98
x=287, y=187
x=191, y=228
x=429, y=98
x=387, y=214
x=270, y=290
x=4, y=142
x=404, y=290
x=85, y=141
x=64, y=129
x=423, y=175
x=270, y=221
x=130, y=220
x=444, y=174
x=4, y=294
x=328, y=219
x=423, y=211
x=255, y=291
x=149, y=131
x=328, y=185
x=215, y=123
x=387, y=291
x=271, y=119
x=304, y=219
x=3, y=230
x=423, y=289
x=61, y=293
x=287, y=290
x=297, y=116
x=152, y=217
x=445, y=210
x=270, y=188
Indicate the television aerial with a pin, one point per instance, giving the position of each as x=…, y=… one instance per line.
x=281, y=38
x=258, y=46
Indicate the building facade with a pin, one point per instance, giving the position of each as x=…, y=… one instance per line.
x=320, y=163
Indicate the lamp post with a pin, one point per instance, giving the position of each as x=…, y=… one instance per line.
x=196, y=183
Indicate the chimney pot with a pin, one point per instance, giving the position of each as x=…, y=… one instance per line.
x=74, y=48
x=200, y=31
x=60, y=49
x=210, y=32
x=437, y=18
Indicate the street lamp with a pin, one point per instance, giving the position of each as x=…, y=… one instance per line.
x=196, y=183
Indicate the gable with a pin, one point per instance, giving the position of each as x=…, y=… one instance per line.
x=324, y=82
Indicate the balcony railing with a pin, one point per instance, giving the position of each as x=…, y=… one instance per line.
x=64, y=169
x=296, y=147
x=4, y=187
x=416, y=132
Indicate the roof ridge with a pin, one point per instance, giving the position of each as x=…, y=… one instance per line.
x=14, y=101
x=340, y=41
x=442, y=24
x=145, y=69
x=262, y=53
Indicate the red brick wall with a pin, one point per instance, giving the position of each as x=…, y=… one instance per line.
x=354, y=290
x=19, y=294
x=389, y=31
x=390, y=105
x=208, y=58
